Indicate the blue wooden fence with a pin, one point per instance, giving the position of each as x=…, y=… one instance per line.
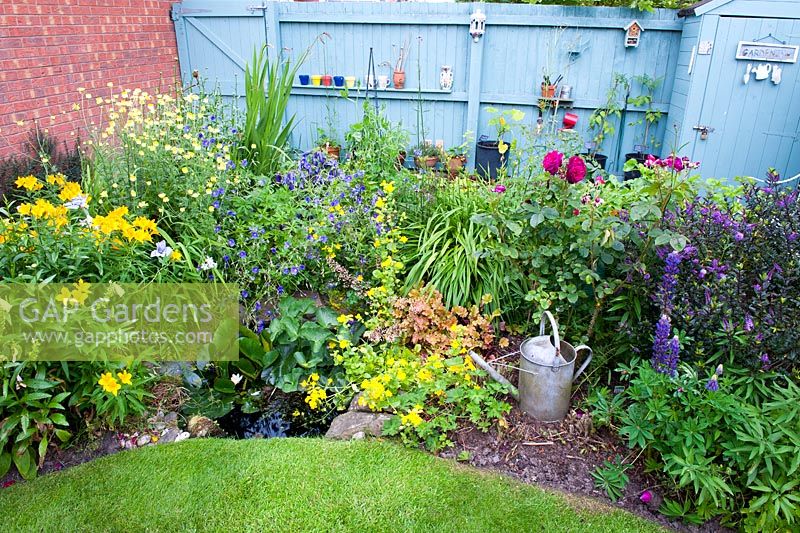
x=502, y=69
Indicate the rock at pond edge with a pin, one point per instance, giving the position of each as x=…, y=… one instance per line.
x=347, y=425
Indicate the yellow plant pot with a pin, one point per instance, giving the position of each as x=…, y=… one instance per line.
x=350, y=81
x=316, y=79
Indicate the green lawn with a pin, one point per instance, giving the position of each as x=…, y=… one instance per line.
x=292, y=485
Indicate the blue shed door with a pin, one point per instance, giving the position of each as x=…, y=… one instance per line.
x=756, y=125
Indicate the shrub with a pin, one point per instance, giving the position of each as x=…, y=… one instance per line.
x=735, y=296
x=426, y=377
x=38, y=397
x=729, y=443
x=60, y=232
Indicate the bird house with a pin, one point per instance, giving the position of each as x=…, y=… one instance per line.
x=633, y=33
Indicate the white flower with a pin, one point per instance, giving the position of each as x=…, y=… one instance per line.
x=87, y=222
x=236, y=378
x=162, y=250
x=208, y=264
x=79, y=202
x=20, y=384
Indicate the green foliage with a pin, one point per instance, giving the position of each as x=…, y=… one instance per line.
x=296, y=344
x=645, y=100
x=461, y=244
x=734, y=452
x=375, y=143
x=300, y=338
x=111, y=409
x=641, y=5
x=37, y=398
x=32, y=405
x=611, y=477
x=268, y=86
x=602, y=118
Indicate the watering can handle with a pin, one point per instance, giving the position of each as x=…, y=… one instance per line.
x=585, y=363
x=554, y=327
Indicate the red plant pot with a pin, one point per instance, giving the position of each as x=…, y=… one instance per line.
x=327, y=80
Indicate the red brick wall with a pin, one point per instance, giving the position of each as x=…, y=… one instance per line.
x=49, y=48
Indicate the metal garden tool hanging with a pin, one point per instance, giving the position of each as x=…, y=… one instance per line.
x=546, y=373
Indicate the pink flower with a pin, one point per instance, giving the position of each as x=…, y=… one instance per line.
x=576, y=212
x=8, y=483
x=576, y=169
x=598, y=180
x=651, y=161
x=552, y=162
x=646, y=496
x=500, y=189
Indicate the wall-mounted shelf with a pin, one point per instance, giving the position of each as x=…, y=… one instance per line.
x=560, y=102
x=389, y=93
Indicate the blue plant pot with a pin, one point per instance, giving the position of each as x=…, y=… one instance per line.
x=338, y=81
x=305, y=79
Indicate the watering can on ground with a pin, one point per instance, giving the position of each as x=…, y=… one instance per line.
x=546, y=373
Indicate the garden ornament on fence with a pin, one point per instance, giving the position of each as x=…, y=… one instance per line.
x=546, y=373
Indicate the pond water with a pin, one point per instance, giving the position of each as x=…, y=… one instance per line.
x=285, y=416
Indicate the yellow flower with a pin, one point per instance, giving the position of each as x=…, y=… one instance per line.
x=65, y=296
x=30, y=183
x=56, y=179
x=343, y=319
x=109, y=384
x=504, y=342
x=81, y=291
x=380, y=204
x=175, y=255
x=69, y=191
x=343, y=343
x=412, y=418
x=124, y=377
x=387, y=187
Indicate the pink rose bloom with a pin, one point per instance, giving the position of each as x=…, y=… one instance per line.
x=646, y=496
x=576, y=212
x=500, y=189
x=576, y=169
x=552, y=162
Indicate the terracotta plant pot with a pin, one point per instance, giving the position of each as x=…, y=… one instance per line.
x=332, y=151
x=426, y=161
x=548, y=91
x=399, y=79
x=456, y=164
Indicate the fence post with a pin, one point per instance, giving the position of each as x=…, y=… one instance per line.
x=183, y=47
x=272, y=30
x=474, y=83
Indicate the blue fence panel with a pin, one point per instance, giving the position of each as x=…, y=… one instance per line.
x=504, y=68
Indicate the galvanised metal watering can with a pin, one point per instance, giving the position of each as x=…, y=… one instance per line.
x=546, y=373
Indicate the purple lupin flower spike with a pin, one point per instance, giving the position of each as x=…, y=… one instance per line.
x=666, y=349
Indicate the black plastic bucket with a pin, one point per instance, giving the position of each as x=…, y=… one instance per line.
x=488, y=159
x=599, y=159
x=633, y=174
